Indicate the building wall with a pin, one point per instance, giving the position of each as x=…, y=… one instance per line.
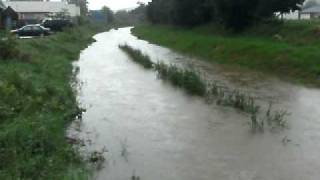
x=32, y=16
x=315, y=15
x=295, y=16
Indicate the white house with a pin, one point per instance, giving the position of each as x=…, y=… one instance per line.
x=312, y=12
x=36, y=11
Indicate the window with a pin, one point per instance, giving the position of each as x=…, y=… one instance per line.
x=27, y=28
x=36, y=28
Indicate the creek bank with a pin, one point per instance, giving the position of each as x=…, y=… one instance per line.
x=294, y=56
x=37, y=103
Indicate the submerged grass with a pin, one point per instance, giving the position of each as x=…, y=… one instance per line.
x=182, y=78
x=289, y=50
x=37, y=103
x=137, y=56
x=192, y=82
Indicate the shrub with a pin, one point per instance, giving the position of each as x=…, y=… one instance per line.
x=8, y=48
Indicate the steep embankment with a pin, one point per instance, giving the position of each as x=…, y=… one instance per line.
x=36, y=104
x=289, y=50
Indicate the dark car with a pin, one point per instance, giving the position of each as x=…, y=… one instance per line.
x=57, y=24
x=32, y=30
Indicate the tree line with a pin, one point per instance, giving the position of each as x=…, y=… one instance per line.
x=125, y=17
x=233, y=14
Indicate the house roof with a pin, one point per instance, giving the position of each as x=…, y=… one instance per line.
x=314, y=9
x=43, y=7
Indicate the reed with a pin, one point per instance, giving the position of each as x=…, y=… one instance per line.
x=137, y=56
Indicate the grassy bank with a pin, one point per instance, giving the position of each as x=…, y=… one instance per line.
x=37, y=103
x=289, y=50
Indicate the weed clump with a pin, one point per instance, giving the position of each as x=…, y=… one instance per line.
x=137, y=56
x=8, y=48
x=183, y=78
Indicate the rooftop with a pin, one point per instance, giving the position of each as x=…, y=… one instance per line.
x=37, y=6
x=43, y=7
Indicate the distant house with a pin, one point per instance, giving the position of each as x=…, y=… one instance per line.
x=312, y=12
x=35, y=11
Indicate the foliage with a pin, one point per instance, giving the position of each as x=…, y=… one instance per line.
x=137, y=56
x=107, y=14
x=294, y=57
x=132, y=17
x=8, y=48
x=234, y=14
x=37, y=103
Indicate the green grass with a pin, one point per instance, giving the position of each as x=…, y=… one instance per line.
x=188, y=80
x=289, y=50
x=37, y=103
x=137, y=56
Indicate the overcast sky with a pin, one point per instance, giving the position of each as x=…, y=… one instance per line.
x=114, y=4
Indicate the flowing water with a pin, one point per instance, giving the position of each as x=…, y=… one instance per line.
x=157, y=132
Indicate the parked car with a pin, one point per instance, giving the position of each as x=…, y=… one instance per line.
x=32, y=30
x=57, y=24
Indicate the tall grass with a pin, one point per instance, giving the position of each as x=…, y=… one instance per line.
x=183, y=78
x=137, y=56
x=36, y=105
x=289, y=50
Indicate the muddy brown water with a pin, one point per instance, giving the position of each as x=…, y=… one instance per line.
x=157, y=132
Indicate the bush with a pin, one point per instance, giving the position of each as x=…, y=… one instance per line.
x=233, y=14
x=8, y=48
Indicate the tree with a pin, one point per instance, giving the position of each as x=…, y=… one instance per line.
x=191, y=12
x=234, y=14
x=108, y=14
x=132, y=17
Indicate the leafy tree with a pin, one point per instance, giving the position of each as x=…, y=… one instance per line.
x=135, y=16
x=191, y=12
x=234, y=14
x=160, y=11
x=108, y=14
